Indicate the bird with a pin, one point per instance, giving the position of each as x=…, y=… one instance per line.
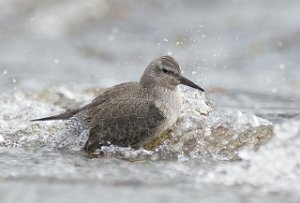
x=131, y=114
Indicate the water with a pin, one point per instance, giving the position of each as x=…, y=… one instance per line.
x=238, y=142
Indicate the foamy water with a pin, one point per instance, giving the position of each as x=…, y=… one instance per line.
x=263, y=153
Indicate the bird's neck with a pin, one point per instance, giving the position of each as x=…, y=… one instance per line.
x=161, y=91
x=146, y=81
x=149, y=83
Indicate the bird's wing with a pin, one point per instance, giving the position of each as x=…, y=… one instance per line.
x=117, y=91
x=123, y=122
x=113, y=92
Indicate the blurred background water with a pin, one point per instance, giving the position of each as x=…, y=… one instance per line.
x=55, y=54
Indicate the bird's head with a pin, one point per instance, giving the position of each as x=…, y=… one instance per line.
x=165, y=72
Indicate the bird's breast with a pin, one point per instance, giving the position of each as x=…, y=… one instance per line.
x=169, y=102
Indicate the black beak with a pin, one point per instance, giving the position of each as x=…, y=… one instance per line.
x=187, y=82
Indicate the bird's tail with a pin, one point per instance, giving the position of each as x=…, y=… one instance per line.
x=63, y=116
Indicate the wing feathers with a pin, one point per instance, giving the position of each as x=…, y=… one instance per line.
x=63, y=116
x=124, y=122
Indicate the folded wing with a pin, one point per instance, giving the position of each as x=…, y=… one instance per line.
x=123, y=122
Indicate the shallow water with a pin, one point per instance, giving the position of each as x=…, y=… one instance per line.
x=239, y=142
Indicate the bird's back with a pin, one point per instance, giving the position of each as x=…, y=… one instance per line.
x=128, y=90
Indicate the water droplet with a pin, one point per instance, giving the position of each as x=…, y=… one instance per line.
x=166, y=40
x=169, y=52
x=274, y=90
x=56, y=61
x=5, y=72
x=279, y=43
x=281, y=66
x=110, y=38
x=14, y=80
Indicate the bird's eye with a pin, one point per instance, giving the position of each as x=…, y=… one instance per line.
x=166, y=71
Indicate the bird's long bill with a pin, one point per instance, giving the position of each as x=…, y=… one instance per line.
x=187, y=82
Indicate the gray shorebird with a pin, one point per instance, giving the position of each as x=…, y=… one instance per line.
x=133, y=113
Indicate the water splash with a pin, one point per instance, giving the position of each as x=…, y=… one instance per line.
x=201, y=131
x=276, y=161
